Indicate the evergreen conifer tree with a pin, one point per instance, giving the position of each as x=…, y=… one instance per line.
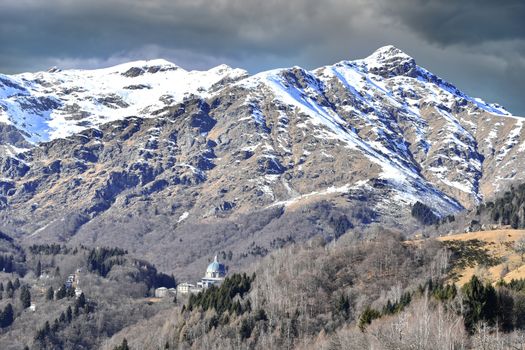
x=38, y=270
x=50, y=293
x=7, y=316
x=25, y=297
x=123, y=346
x=69, y=314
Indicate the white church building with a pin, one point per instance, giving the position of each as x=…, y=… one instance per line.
x=214, y=276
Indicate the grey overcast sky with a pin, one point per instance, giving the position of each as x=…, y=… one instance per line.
x=479, y=45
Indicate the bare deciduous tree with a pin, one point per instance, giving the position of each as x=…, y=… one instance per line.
x=519, y=247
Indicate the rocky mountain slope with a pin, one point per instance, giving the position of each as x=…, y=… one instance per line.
x=178, y=165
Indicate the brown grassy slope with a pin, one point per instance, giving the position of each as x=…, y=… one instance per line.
x=487, y=254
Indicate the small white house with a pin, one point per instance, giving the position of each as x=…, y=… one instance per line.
x=185, y=288
x=161, y=292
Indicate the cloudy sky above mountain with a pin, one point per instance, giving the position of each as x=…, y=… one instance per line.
x=477, y=44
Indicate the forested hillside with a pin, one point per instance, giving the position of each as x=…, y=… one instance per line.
x=301, y=296
x=361, y=291
x=54, y=296
x=382, y=292
x=507, y=209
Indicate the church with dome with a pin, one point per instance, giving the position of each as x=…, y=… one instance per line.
x=214, y=276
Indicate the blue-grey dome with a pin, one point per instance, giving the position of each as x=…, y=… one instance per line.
x=216, y=268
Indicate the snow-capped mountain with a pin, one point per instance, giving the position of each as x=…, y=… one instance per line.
x=366, y=138
x=57, y=104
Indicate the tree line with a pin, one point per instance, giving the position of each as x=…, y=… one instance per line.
x=507, y=209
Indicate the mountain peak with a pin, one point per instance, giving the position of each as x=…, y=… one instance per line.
x=54, y=69
x=150, y=63
x=389, y=61
x=142, y=66
x=388, y=51
x=225, y=69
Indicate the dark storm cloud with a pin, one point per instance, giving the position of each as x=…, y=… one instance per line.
x=477, y=44
x=469, y=22
x=223, y=28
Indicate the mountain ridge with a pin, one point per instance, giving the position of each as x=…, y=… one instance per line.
x=189, y=159
x=392, y=60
